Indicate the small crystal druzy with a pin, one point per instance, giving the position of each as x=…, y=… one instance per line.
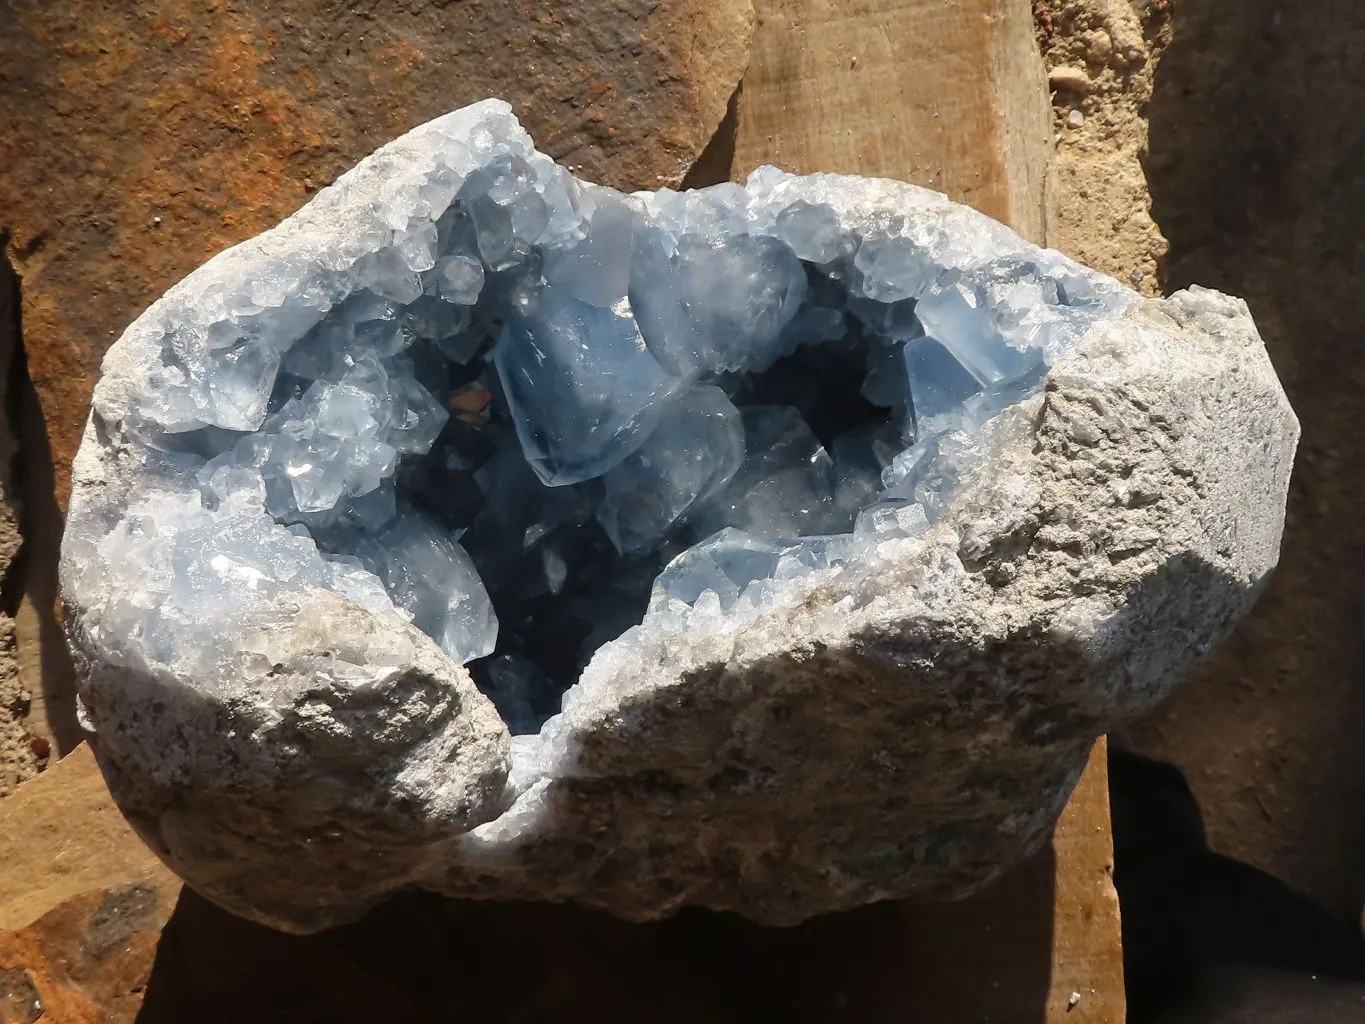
x=584, y=440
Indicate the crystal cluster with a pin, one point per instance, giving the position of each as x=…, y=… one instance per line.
x=525, y=410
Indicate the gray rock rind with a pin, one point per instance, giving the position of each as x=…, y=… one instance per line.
x=927, y=741
x=910, y=727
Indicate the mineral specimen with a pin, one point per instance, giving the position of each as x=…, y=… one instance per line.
x=774, y=548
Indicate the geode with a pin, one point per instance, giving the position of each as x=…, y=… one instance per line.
x=774, y=548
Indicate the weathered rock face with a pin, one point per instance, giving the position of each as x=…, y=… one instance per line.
x=836, y=606
x=18, y=758
x=200, y=126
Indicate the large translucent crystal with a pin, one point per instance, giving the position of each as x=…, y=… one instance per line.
x=694, y=451
x=638, y=465
x=581, y=388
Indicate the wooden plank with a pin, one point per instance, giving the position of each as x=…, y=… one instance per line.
x=951, y=95
x=1087, y=950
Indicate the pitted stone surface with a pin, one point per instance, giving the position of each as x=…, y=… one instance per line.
x=804, y=535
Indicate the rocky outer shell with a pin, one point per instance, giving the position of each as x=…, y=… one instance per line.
x=921, y=739
x=908, y=726
x=331, y=778
x=919, y=731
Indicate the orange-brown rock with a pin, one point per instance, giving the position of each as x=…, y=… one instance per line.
x=141, y=139
x=87, y=960
x=82, y=902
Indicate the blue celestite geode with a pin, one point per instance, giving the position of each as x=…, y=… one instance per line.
x=541, y=405
x=546, y=424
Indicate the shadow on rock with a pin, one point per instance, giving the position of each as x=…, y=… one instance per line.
x=1207, y=938
x=1257, y=136
x=422, y=958
x=30, y=593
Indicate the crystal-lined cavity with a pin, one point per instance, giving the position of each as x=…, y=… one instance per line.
x=520, y=411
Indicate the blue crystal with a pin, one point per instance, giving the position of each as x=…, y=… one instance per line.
x=725, y=563
x=958, y=317
x=415, y=418
x=435, y=319
x=459, y=279
x=894, y=269
x=518, y=512
x=861, y=455
x=387, y=274
x=693, y=452
x=886, y=383
x=516, y=686
x=706, y=306
x=432, y=578
x=235, y=397
x=938, y=383
x=507, y=213
x=812, y=325
x=583, y=390
x=785, y=486
x=813, y=232
x=597, y=269
x=892, y=319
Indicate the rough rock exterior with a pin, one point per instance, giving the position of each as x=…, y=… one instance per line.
x=911, y=722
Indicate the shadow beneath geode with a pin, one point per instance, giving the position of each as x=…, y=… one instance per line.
x=30, y=591
x=986, y=958
x=419, y=957
x=1210, y=939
